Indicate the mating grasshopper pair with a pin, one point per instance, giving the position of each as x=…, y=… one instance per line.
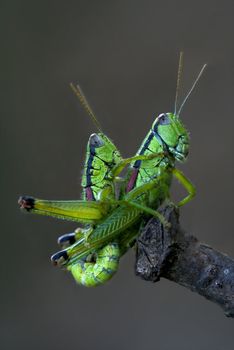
x=112, y=207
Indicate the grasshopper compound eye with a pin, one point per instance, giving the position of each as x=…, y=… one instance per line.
x=96, y=141
x=163, y=119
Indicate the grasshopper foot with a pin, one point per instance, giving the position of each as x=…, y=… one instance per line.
x=26, y=202
x=66, y=240
x=59, y=258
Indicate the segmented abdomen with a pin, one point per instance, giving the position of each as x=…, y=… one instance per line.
x=92, y=274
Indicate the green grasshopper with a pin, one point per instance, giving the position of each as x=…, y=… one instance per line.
x=93, y=252
x=97, y=182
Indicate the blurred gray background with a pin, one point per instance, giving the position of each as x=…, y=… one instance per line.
x=124, y=54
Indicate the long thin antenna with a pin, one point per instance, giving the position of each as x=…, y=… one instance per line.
x=179, y=75
x=78, y=92
x=192, y=88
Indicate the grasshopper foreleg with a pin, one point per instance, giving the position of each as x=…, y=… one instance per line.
x=124, y=162
x=187, y=185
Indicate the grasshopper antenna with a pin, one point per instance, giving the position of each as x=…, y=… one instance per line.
x=192, y=88
x=78, y=92
x=179, y=75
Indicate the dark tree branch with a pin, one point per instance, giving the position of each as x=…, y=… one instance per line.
x=179, y=257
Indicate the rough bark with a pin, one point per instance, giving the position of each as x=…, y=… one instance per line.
x=180, y=257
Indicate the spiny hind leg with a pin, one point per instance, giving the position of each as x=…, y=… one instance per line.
x=101, y=269
x=70, y=238
x=75, y=210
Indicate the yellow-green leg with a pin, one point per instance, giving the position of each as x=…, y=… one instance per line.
x=187, y=185
x=148, y=210
x=74, y=210
x=122, y=164
x=141, y=190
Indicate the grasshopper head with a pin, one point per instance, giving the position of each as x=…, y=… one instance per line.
x=101, y=146
x=172, y=135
